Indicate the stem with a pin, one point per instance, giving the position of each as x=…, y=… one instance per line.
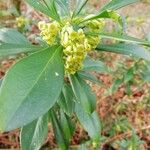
x=123, y=135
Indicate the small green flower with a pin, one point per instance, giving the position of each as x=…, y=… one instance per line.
x=75, y=43
x=93, y=41
x=21, y=21
x=49, y=31
x=75, y=48
x=42, y=25
x=95, y=25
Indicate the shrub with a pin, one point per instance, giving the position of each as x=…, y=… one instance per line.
x=49, y=83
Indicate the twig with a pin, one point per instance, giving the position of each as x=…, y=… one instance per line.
x=126, y=134
x=8, y=134
x=4, y=141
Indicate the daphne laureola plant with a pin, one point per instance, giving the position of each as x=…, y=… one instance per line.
x=49, y=84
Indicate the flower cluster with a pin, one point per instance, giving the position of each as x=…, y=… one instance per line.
x=76, y=43
x=49, y=31
x=94, y=27
x=21, y=21
x=75, y=46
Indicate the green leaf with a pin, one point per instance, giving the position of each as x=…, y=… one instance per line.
x=30, y=88
x=94, y=65
x=80, y=4
x=58, y=131
x=124, y=38
x=90, y=77
x=110, y=15
x=67, y=125
x=90, y=122
x=12, y=36
x=1, y=82
x=116, y=4
x=63, y=7
x=13, y=49
x=129, y=75
x=34, y=134
x=46, y=6
x=112, y=5
x=115, y=86
x=83, y=93
x=38, y=5
x=126, y=49
x=13, y=42
x=53, y=12
x=66, y=99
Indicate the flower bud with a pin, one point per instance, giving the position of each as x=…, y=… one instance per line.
x=42, y=25
x=49, y=31
x=21, y=21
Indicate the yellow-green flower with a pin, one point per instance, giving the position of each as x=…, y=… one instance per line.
x=75, y=43
x=75, y=48
x=21, y=21
x=49, y=31
x=94, y=27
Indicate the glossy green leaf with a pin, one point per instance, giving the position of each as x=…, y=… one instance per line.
x=53, y=12
x=94, y=65
x=13, y=49
x=12, y=36
x=112, y=5
x=124, y=38
x=80, y=4
x=67, y=125
x=66, y=99
x=90, y=122
x=30, y=88
x=83, y=93
x=45, y=6
x=63, y=7
x=13, y=42
x=58, y=131
x=38, y=5
x=116, y=4
x=126, y=49
x=90, y=77
x=34, y=134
